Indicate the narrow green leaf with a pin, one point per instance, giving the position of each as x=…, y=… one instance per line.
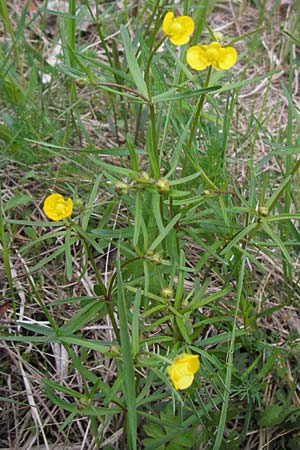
x=277, y=241
x=133, y=65
x=198, y=303
x=132, y=153
x=180, y=282
x=182, y=329
x=127, y=363
x=164, y=232
x=138, y=219
x=89, y=207
x=53, y=255
x=151, y=153
x=68, y=255
x=174, y=95
x=115, y=169
x=239, y=237
x=156, y=199
x=91, y=344
x=135, y=323
x=274, y=197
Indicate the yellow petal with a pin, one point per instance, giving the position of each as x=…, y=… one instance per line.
x=167, y=22
x=184, y=382
x=193, y=363
x=187, y=24
x=182, y=370
x=196, y=57
x=213, y=52
x=227, y=58
x=180, y=39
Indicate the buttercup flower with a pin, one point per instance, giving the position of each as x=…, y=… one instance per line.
x=57, y=208
x=179, y=29
x=199, y=57
x=183, y=369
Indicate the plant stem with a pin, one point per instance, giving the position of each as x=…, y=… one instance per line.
x=107, y=297
x=147, y=70
x=198, y=111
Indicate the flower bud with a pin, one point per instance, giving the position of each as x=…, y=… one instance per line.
x=218, y=36
x=166, y=293
x=115, y=349
x=156, y=259
x=144, y=177
x=121, y=188
x=162, y=186
x=263, y=211
x=78, y=203
x=81, y=82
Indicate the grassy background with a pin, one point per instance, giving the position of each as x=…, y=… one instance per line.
x=86, y=333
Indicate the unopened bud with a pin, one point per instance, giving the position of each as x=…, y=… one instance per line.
x=166, y=293
x=78, y=203
x=218, y=36
x=115, y=349
x=162, y=186
x=144, y=177
x=121, y=188
x=206, y=192
x=156, y=259
x=81, y=82
x=263, y=211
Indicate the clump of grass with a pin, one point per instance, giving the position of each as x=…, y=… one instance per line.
x=182, y=241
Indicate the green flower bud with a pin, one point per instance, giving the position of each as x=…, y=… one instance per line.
x=263, y=211
x=144, y=177
x=121, y=188
x=166, y=293
x=115, y=349
x=81, y=82
x=162, y=186
x=156, y=259
x=78, y=203
x=218, y=36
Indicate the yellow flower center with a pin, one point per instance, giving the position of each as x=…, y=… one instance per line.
x=176, y=27
x=60, y=208
x=212, y=54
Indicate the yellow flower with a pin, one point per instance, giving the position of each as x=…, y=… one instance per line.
x=183, y=369
x=57, y=208
x=178, y=29
x=199, y=57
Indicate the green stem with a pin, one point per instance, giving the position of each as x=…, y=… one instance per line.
x=155, y=165
x=6, y=20
x=71, y=24
x=198, y=111
x=99, y=31
x=112, y=280
x=150, y=21
x=107, y=297
x=5, y=257
x=147, y=70
x=222, y=422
